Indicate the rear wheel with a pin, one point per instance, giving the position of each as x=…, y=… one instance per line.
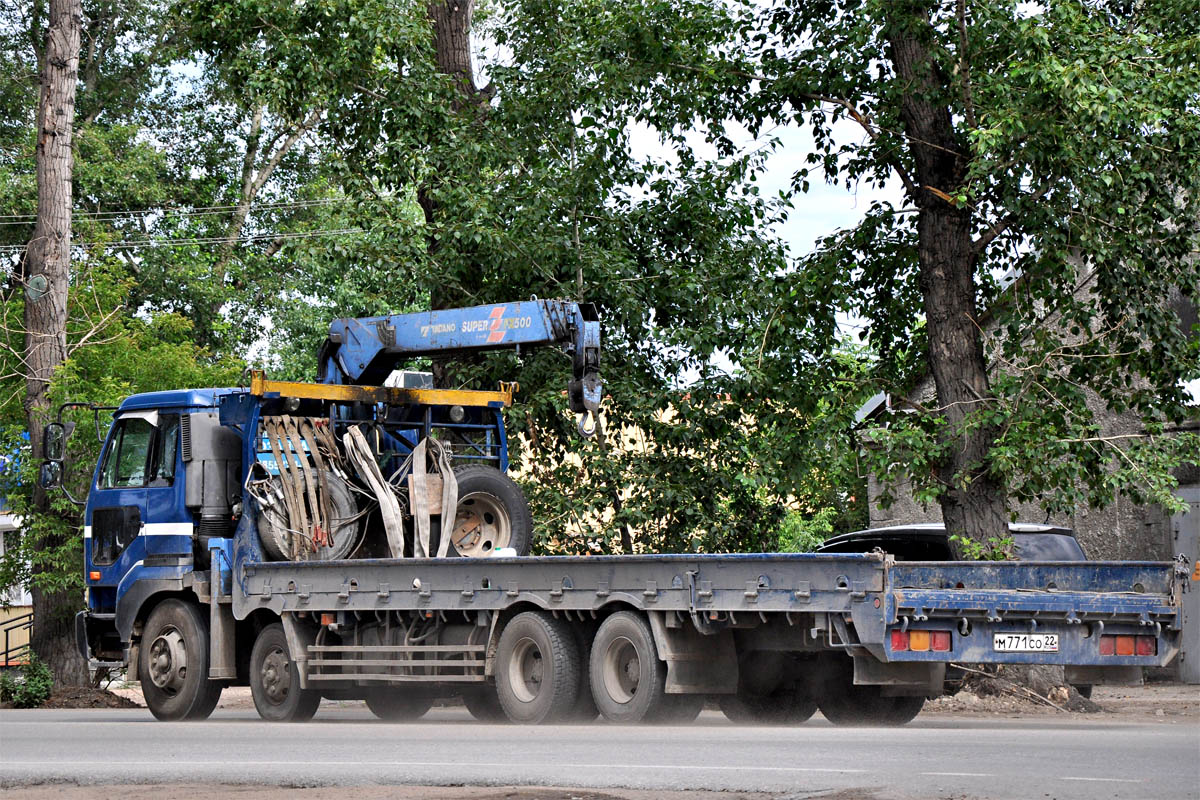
x=537, y=669
x=767, y=692
x=585, y=705
x=275, y=680
x=844, y=703
x=397, y=705
x=678, y=709
x=492, y=513
x=628, y=680
x=484, y=705
x=173, y=663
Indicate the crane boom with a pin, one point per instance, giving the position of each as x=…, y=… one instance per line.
x=366, y=350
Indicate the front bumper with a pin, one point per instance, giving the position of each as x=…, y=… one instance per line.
x=96, y=637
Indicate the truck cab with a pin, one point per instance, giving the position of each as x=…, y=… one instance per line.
x=162, y=493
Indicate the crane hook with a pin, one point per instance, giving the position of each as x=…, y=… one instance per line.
x=585, y=431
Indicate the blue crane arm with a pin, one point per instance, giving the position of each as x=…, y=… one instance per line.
x=366, y=350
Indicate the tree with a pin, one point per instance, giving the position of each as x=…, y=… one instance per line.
x=47, y=274
x=1055, y=143
x=533, y=186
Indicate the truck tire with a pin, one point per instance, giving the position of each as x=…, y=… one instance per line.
x=273, y=524
x=628, y=680
x=492, y=513
x=678, y=709
x=397, y=705
x=785, y=706
x=767, y=692
x=173, y=663
x=537, y=669
x=484, y=705
x=275, y=680
x=843, y=703
x=585, y=705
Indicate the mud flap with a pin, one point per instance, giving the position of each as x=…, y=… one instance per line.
x=912, y=678
x=695, y=663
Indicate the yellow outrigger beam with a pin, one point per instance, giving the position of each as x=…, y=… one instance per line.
x=260, y=386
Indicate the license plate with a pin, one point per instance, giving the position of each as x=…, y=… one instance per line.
x=1025, y=642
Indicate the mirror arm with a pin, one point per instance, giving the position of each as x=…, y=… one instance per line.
x=95, y=409
x=71, y=497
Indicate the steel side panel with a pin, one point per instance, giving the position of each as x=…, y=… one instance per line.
x=719, y=583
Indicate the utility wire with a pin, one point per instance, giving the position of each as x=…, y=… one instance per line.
x=199, y=211
x=10, y=249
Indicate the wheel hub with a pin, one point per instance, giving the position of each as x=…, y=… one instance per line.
x=622, y=670
x=526, y=670
x=481, y=524
x=168, y=661
x=276, y=676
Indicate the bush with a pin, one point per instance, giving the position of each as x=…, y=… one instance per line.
x=32, y=689
x=800, y=534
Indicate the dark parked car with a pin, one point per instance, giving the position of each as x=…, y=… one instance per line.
x=929, y=542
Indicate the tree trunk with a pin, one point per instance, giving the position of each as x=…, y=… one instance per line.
x=974, y=504
x=451, y=21
x=48, y=266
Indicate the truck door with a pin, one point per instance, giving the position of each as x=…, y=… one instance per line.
x=135, y=511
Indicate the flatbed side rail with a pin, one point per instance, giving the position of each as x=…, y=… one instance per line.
x=704, y=583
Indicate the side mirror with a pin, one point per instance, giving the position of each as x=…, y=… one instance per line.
x=54, y=441
x=50, y=475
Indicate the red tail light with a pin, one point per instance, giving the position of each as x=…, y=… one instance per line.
x=1122, y=645
x=919, y=641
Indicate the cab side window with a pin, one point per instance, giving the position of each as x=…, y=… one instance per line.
x=165, y=448
x=128, y=457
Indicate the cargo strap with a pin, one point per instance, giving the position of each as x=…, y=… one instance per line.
x=362, y=459
x=431, y=450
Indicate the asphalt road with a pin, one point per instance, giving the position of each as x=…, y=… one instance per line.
x=933, y=757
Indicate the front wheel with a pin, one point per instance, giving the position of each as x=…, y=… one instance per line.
x=275, y=680
x=173, y=663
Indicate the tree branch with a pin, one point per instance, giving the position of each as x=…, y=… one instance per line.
x=1004, y=224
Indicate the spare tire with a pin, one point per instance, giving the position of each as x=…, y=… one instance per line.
x=273, y=523
x=492, y=513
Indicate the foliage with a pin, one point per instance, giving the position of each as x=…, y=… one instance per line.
x=32, y=689
x=1075, y=139
x=112, y=354
x=800, y=534
x=996, y=548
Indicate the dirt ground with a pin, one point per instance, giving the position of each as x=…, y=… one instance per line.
x=1163, y=702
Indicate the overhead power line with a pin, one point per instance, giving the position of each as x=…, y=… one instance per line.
x=198, y=211
x=144, y=244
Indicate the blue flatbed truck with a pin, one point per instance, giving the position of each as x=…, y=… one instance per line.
x=186, y=592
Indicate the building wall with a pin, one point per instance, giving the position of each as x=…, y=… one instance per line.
x=14, y=603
